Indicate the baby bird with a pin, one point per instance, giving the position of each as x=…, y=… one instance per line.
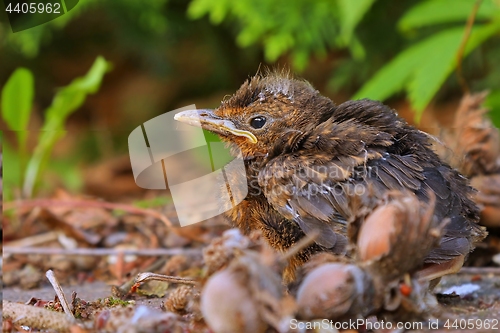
x=307, y=159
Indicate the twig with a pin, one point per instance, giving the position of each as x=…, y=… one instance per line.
x=124, y=288
x=479, y=270
x=59, y=292
x=147, y=276
x=100, y=251
x=24, y=204
x=463, y=43
x=33, y=240
x=34, y=317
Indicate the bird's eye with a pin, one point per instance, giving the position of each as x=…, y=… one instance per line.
x=258, y=122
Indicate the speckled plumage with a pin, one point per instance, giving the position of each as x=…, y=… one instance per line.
x=312, y=158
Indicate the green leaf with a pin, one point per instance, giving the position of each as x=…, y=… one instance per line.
x=492, y=102
x=298, y=27
x=430, y=75
x=17, y=99
x=351, y=13
x=216, y=9
x=17, y=103
x=421, y=69
x=69, y=98
x=433, y=12
x=276, y=45
x=356, y=48
x=65, y=102
x=393, y=77
x=300, y=59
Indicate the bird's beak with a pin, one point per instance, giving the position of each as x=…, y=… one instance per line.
x=207, y=120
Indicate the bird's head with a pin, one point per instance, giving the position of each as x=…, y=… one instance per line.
x=265, y=109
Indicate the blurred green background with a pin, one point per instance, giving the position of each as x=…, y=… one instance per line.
x=75, y=87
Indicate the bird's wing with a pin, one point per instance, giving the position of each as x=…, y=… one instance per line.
x=313, y=194
x=312, y=188
x=316, y=194
x=452, y=201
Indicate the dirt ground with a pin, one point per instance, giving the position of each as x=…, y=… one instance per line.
x=473, y=293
